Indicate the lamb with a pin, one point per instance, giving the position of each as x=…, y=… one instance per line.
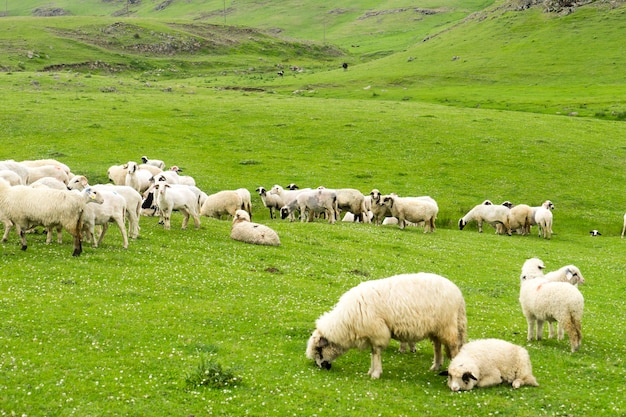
x=543, y=219
x=132, y=197
x=488, y=362
x=408, y=308
x=288, y=196
x=413, y=209
x=222, y=203
x=112, y=209
x=154, y=162
x=22, y=205
x=545, y=300
x=312, y=202
x=271, y=201
x=171, y=197
x=117, y=174
x=258, y=234
x=488, y=213
x=379, y=210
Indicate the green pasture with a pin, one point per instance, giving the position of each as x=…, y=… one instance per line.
x=119, y=332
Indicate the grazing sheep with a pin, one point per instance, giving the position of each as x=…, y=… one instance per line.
x=53, y=171
x=170, y=197
x=488, y=213
x=22, y=205
x=154, y=162
x=413, y=209
x=153, y=170
x=132, y=197
x=271, y=201
x=545, y=300
x=43, y=162
x=117, y=174
x=246, y=200
x=222, y=203
x=488, y=362
x=49, y=182
x=258, y=234
x=288, y=196
x=408, y=308
x=312, y=202
x=11, y=177
x=112, y=209
x=520, y=218
x=595, y=233
x=19, y=168
x=352, y=200
x=379, y=210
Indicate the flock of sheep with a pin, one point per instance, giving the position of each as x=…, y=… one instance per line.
x=413, y=307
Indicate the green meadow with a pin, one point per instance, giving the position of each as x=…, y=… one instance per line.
x=190, y=322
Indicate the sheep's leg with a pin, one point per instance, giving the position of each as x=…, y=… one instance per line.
x=196, y=221
x=407, y=345
x=401, y=222
x=575, y=335
x=22, y=234
x=7, y=228
x=539, y=329
x=493, y=378
x=531, y=328
x=551, y=326
x=166, y=219
x=438, y=356
x=133, y=224
x=376, y=368
x=186, y=218
x=480, y=226
x=78, y=244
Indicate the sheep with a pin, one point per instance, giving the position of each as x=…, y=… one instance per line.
x=117, y=174
x=37, y=172
x=488, y=213
x=595, y=233
x=488, y=362
x=543, y=219
x=413, y=209
x=288, y=196
x=271, y=201
x=352, y=200
x=258, y=234
x=379, y=210
x=182, y=179
x=11, y=176
x=18, y=168
x=154, y=162
x=246, y=200
x=112, y=209
x=543, y=299
x=624, y=228
x=22, y=205
x=312, y=202
x=171, y=197
x=153, y=170
x=42, y=162
x=407, y=307
x=132, y=197
x=137, y=178
x=49, y=182
x=222, y=203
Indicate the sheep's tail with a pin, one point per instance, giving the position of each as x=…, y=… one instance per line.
x=462, y=324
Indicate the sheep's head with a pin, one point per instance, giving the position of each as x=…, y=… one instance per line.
x=93, y=196
x=322, y=350
x=144, y=159
x=284, y=212
x=241, y=216
x=387, y=201
x=261, y=191
x=532, y=268
x=462, y=224
x=548, y=204
x=487, y=203
x=276, y=189
x=132, y=167
x=292, y=186
x=79, y=182
x=573, y=275
x=375, y=194
x=461, y=377
x=508, y=204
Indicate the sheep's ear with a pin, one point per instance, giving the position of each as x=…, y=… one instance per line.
x=569, y=274
x=323, y=342
x=444, y=373
x=467, y=376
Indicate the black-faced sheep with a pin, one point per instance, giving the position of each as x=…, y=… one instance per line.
x=488, y=362
x=544, y=299
x=245, y=231
x=23, y=206
x=313, y=202
x=414, y=210
x=271, y=201
x=154, y=162
x=408, y=308
x=379, y=210
x=488, y=213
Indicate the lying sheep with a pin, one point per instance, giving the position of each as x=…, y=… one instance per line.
x=408, y=308
x=488, y=362
x=154, y=162
x=23, y=206
x=222, y=203
x=312, y=202
x=379, y=210
x=112, y=210
x=488, y=213
x=271, y=201
x=258, y=234
x=414, y=210
x=545, y=300
x=170, y=197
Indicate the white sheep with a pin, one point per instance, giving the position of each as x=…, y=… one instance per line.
x=271, y=201
x=132, y=197
x=488, y=362
x=170, y=197
x=37, y=172
x=20, y=169
x=288, y=196
x=23, y=206
x=414, y=210
x=379, y=210
x=520, y=218
x=112, y=210
x=182, y=179
x=11, y=177
x=42, y=162
x=222, y=203
x=137, y=178
x=246, y=231
x=352, y=200
x=153, y=169
x=312, y=202
x=154, y=162
x=624, y=227
x=543, y=219
x=408, y=308
x=488, y=213
x=117, y=174
x=545, y=300
x=246, y=200
x=49, y=182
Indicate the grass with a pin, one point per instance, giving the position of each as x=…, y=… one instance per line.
x=136, y=331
